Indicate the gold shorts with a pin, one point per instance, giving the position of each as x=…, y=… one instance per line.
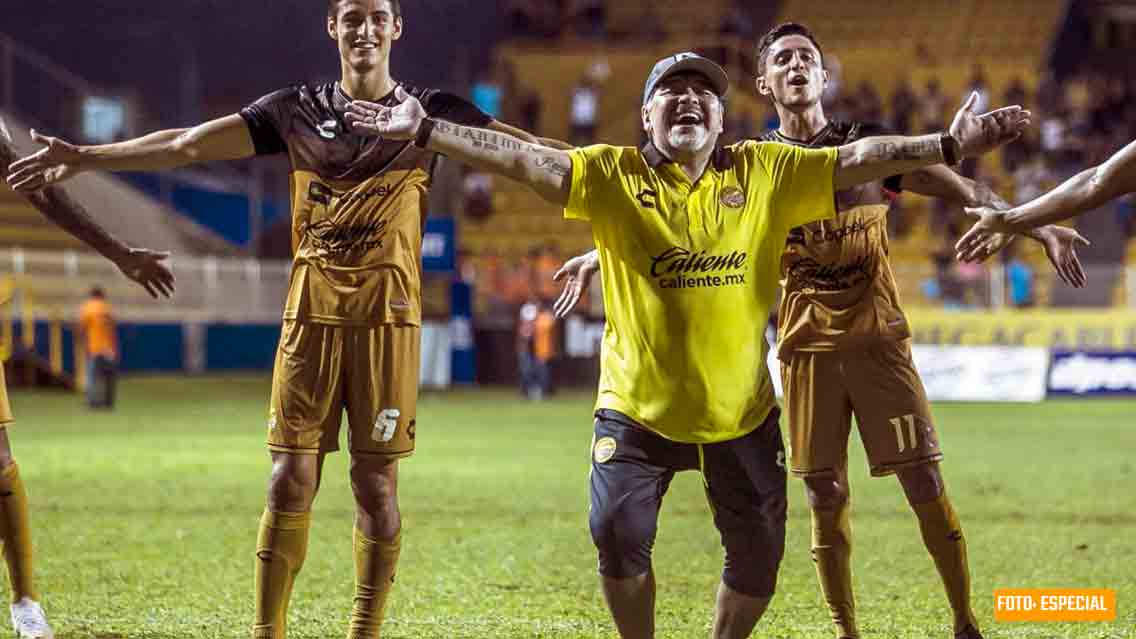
x=880, y=386
x=5, y=408
x=322, y=370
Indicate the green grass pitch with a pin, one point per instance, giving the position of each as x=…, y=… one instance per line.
x=144, y=521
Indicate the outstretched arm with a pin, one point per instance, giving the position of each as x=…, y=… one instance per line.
x=226, y=138
x=1083, y=192
x=145, y=267
x=970, y=135
x=548, y=171
x=1060, y=243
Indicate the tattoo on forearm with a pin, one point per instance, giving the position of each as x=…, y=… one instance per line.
x=549, y=163
x=482, y=138
x=916, y=149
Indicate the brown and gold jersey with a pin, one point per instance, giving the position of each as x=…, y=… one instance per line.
x=838, y=288
x=358, y=204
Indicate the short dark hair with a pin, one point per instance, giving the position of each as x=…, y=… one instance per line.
x=333, y=8
x=778, y=32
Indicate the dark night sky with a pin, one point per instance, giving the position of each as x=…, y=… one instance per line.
x=242, y=48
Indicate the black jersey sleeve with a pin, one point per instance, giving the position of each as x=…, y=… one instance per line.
x=892, y=184
x=452, y=108
x=267, y=120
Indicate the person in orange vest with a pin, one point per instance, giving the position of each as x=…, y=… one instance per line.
x=97, y=330
x=544, y=349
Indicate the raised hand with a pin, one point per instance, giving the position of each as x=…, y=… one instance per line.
x=149, y=269
x=57, y=161
x=978, y=134
x=399, y=122
x=579, y=271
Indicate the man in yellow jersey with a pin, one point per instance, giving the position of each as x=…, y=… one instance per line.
x=350, y=339
x=689, y=235
x=843, y=338
x=143, y=266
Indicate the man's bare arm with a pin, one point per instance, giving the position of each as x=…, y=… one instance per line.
x=1060, y=243
x=525, y=136
x=141, y=265
x=876, y=158
x=548, y=171
x=1083, y=192
x=226, y=138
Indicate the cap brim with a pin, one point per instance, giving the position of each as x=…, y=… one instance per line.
x=708, y=68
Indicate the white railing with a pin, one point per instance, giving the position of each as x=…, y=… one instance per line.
x=208, y=289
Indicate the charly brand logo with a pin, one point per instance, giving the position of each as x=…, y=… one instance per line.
x=732, y=197
x=678, y=267
x=648, y=198
x=327, y=129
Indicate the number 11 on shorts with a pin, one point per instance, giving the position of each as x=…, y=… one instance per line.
x=385, y=425
x=898, y=422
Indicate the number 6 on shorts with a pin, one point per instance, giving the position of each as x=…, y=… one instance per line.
x=385, y=425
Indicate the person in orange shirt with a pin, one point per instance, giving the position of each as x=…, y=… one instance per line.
x=97, y=331
x=544, y=349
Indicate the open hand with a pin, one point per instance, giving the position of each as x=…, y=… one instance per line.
x=399, y=122
x=978, y=134
x=579, y=270
x=1061, y=249
x=57, y=161
x=149, y=269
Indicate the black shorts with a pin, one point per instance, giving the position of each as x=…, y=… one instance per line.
x=745, y=481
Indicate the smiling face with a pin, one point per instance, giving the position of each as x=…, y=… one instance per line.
x=684, y=114
x=793, y=74
x=364, y=31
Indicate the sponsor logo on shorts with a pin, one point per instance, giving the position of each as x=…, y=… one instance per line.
x=272, y=420
x=604, y=449
x=732, y=197
x=385, y=425
x=319, y=193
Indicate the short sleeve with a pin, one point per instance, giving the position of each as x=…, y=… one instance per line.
x=801, y=179
x=452, y=108
x=267, y=121
x=593, y=168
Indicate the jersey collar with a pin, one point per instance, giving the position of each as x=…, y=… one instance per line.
x=721, y=159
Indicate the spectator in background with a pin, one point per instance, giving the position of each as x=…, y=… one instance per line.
x=736, y=23
x=869, y=107
x=477, y=194
x=932, y=107
x=1019, y=279
x=584, y=111
x=526, y=338
x=97, y=334
x=903, y=106
x=530, y=111
x=545, y=350
x=835, y=81
x=589, y=16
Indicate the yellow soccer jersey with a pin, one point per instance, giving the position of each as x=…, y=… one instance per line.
x=690, y=272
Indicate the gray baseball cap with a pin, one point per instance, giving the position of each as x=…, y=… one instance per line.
x=687, y=61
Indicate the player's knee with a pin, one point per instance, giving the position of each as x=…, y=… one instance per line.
x=624, y=539
x=826, y=492
x=292, y=485
x=921, y=483
x=751, y=568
